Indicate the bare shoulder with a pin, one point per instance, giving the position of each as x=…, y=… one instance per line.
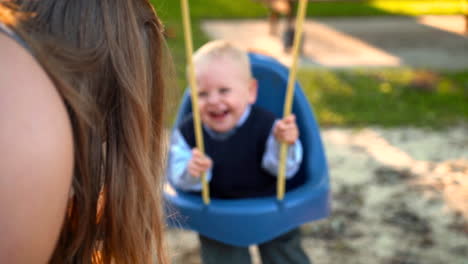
x=36, y=157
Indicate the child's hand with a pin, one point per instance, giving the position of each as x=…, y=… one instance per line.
x=199, y=163
x=286, y=130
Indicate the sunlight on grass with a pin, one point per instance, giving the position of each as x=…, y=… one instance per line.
x=418, y=7
x=385, y=88
x=386, y=97
x=332, y=84
x=328, y=117
x=228, y=9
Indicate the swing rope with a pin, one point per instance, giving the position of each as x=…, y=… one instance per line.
x=194, y=94
x=287, y=104
x=281, y=181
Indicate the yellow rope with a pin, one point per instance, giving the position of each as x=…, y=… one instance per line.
x=289, y=96
x=194, y=94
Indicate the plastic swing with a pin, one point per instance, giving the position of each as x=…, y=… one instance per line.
x=243, y=222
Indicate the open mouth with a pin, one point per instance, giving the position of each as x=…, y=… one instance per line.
x=218, y=115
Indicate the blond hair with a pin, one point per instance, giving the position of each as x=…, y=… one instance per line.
x=222, y=49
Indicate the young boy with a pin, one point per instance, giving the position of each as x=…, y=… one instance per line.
x=241, y=143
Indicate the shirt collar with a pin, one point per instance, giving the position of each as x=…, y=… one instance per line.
x=225, y=135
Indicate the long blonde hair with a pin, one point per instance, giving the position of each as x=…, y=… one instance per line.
x=106, y=59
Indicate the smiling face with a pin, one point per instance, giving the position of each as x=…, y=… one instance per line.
x=225, y=89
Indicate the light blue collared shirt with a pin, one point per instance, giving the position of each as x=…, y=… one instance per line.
x=180, y=154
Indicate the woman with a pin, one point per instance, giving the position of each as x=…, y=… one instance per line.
x=81, y=119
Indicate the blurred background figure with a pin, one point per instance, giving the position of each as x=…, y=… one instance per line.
x=278, y=8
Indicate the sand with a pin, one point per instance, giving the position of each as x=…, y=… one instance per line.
x=399, y=196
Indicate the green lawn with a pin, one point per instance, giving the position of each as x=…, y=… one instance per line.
x=385, y=97
x=170, y=9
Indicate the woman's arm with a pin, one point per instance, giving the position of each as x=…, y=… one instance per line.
x=36, y=158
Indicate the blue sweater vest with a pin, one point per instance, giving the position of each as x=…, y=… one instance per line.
x=237, y=171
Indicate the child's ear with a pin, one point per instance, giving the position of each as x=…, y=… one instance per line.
x=253, y=90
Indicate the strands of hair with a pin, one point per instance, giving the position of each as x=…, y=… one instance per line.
x=107, y=64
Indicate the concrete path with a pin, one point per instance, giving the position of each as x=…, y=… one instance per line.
x=436, y=42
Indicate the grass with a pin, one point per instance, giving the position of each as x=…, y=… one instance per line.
x=385, y=97
x=226, y=9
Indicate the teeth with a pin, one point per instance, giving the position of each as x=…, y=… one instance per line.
x=218, y=114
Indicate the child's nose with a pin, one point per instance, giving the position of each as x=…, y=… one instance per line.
x=213, y=99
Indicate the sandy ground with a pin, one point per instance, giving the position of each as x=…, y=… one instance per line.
x=399, y=196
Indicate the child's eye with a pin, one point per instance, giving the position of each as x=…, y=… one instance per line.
x=224, y=90
x=202, y=94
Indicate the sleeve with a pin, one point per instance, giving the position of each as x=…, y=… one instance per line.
x=179, y=157
x=270, y=160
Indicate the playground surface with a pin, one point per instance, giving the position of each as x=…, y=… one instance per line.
x=399, y=195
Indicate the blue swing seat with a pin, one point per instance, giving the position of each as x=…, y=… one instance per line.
x=243, y=222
